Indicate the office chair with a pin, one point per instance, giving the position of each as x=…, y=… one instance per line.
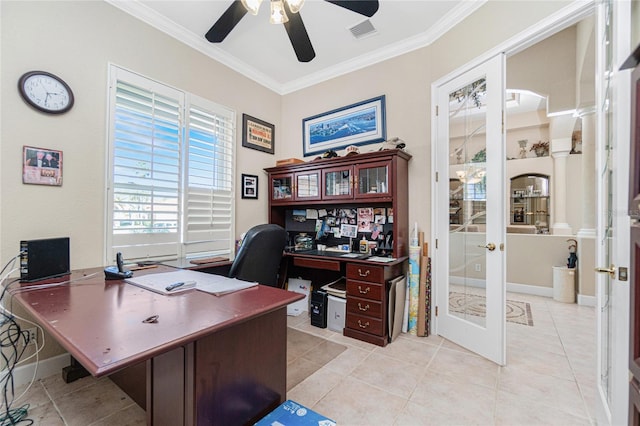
x=259, y=256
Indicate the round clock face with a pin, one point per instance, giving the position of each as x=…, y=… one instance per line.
x=46, y=92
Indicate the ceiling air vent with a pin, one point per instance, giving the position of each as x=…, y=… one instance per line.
x=363, y=29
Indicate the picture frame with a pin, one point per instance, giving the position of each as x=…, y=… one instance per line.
x=250, y=186
x=258, y=134
x=361, y=123
x=41, y=166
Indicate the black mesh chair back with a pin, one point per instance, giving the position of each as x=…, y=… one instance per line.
x=259, y=256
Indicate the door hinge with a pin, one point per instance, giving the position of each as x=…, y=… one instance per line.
x=437, y=175
x=436, y=243
x=436, y=311
x=502, y=122
x=437, y=110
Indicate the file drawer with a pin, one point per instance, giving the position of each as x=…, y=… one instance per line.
x=360, y=306
x=374, y=274
x=364, y=289
x=365, y=324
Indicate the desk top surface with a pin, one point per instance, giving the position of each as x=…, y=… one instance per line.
x=101, y=323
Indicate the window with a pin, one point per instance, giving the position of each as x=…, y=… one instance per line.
x=171, y=171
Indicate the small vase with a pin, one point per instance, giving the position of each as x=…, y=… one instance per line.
x=540, y=152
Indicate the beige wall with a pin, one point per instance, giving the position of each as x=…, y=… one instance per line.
x=90, y=35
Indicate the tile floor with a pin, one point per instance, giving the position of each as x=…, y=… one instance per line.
x=549, y=379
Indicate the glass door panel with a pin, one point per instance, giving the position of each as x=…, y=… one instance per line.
x=281, y=188
x=308, y=186
x=338, y=183
x=468, y=145
x=373, y=179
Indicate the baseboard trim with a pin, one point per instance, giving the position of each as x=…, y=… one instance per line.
x=534, y=290
x=586, y=300
x=23, y=374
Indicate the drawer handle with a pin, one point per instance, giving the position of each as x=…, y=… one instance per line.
x=365, y=325
x=364, y=291
x=365, y=309
x=366, y=274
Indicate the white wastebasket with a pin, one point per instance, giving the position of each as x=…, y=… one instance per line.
x=564, y=284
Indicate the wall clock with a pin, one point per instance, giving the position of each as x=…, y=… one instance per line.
x=45, y=92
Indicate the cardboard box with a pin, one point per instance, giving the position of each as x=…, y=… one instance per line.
x=290, y=413
x=289, y=161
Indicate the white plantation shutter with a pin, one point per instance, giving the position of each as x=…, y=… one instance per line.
x=171, y=171
x=209, y=188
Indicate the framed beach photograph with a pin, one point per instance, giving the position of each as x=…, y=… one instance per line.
x=249, y=186
x=257, y=134
x=357, y=124
x=41, y=166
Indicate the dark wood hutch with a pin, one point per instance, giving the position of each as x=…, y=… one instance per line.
x=378, y=180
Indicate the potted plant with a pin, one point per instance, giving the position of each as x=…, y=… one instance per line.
x=541, y=148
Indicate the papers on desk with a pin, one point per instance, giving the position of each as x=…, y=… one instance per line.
x=209, y=283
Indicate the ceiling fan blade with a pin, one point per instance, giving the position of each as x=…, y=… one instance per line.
x=226, y=22
x=298, y=36
x=363, y=7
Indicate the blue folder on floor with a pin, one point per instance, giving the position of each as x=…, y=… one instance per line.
x=290, y=413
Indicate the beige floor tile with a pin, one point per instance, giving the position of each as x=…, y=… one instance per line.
x=541, y=362
x=132, y=415
x=354, y=403
x=515, y=411
x=395, y=376
x=416, y=414
x=92, y=403
x=325, y=352
x=465, y=368
x=552, y=391
x=56, y=387
x=451, y=396
x=348, y=360
x=35, y=395
x=409, y=350
x=44, y=415
x=314, y=387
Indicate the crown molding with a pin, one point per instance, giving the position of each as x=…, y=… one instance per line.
x=144, y=13
x=138, y=10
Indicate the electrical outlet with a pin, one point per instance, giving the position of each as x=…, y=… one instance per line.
x=31, y=335
x=478, y=267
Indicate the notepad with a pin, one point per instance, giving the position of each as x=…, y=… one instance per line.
x=209, y=283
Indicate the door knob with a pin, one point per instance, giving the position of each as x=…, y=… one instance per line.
x=489, y=246
x=611, y=270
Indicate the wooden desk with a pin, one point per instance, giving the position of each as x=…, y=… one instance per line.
x=209, y=360
x=367, y=301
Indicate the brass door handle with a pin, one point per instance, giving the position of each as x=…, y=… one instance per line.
x=489, y=246
x=611, y=270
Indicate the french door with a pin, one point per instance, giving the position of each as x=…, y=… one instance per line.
x=470, y=210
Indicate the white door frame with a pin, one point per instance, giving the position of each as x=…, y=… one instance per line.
x=488, y=339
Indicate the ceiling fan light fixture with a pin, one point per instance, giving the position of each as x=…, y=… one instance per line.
x=278, y=15
x=295, y=5
x=252, y=6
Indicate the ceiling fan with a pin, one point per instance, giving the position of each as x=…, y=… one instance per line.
x=285, y=12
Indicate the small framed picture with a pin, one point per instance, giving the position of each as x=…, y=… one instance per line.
x=249, y=186
x=257, y=134
x=41, y=166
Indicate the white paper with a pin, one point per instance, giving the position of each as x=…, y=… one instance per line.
x=209, y=283
x=299, y=286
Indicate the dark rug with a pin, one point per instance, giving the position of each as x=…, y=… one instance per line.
x=474, y=304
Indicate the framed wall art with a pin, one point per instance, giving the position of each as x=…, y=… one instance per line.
x=257, y=134
x=357, y=124
x=250, y=186
x=41, y=166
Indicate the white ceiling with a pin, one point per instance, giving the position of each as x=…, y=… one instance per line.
x=263, y=52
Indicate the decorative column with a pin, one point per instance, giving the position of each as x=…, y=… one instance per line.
x=560, y=148
x=588, y=228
